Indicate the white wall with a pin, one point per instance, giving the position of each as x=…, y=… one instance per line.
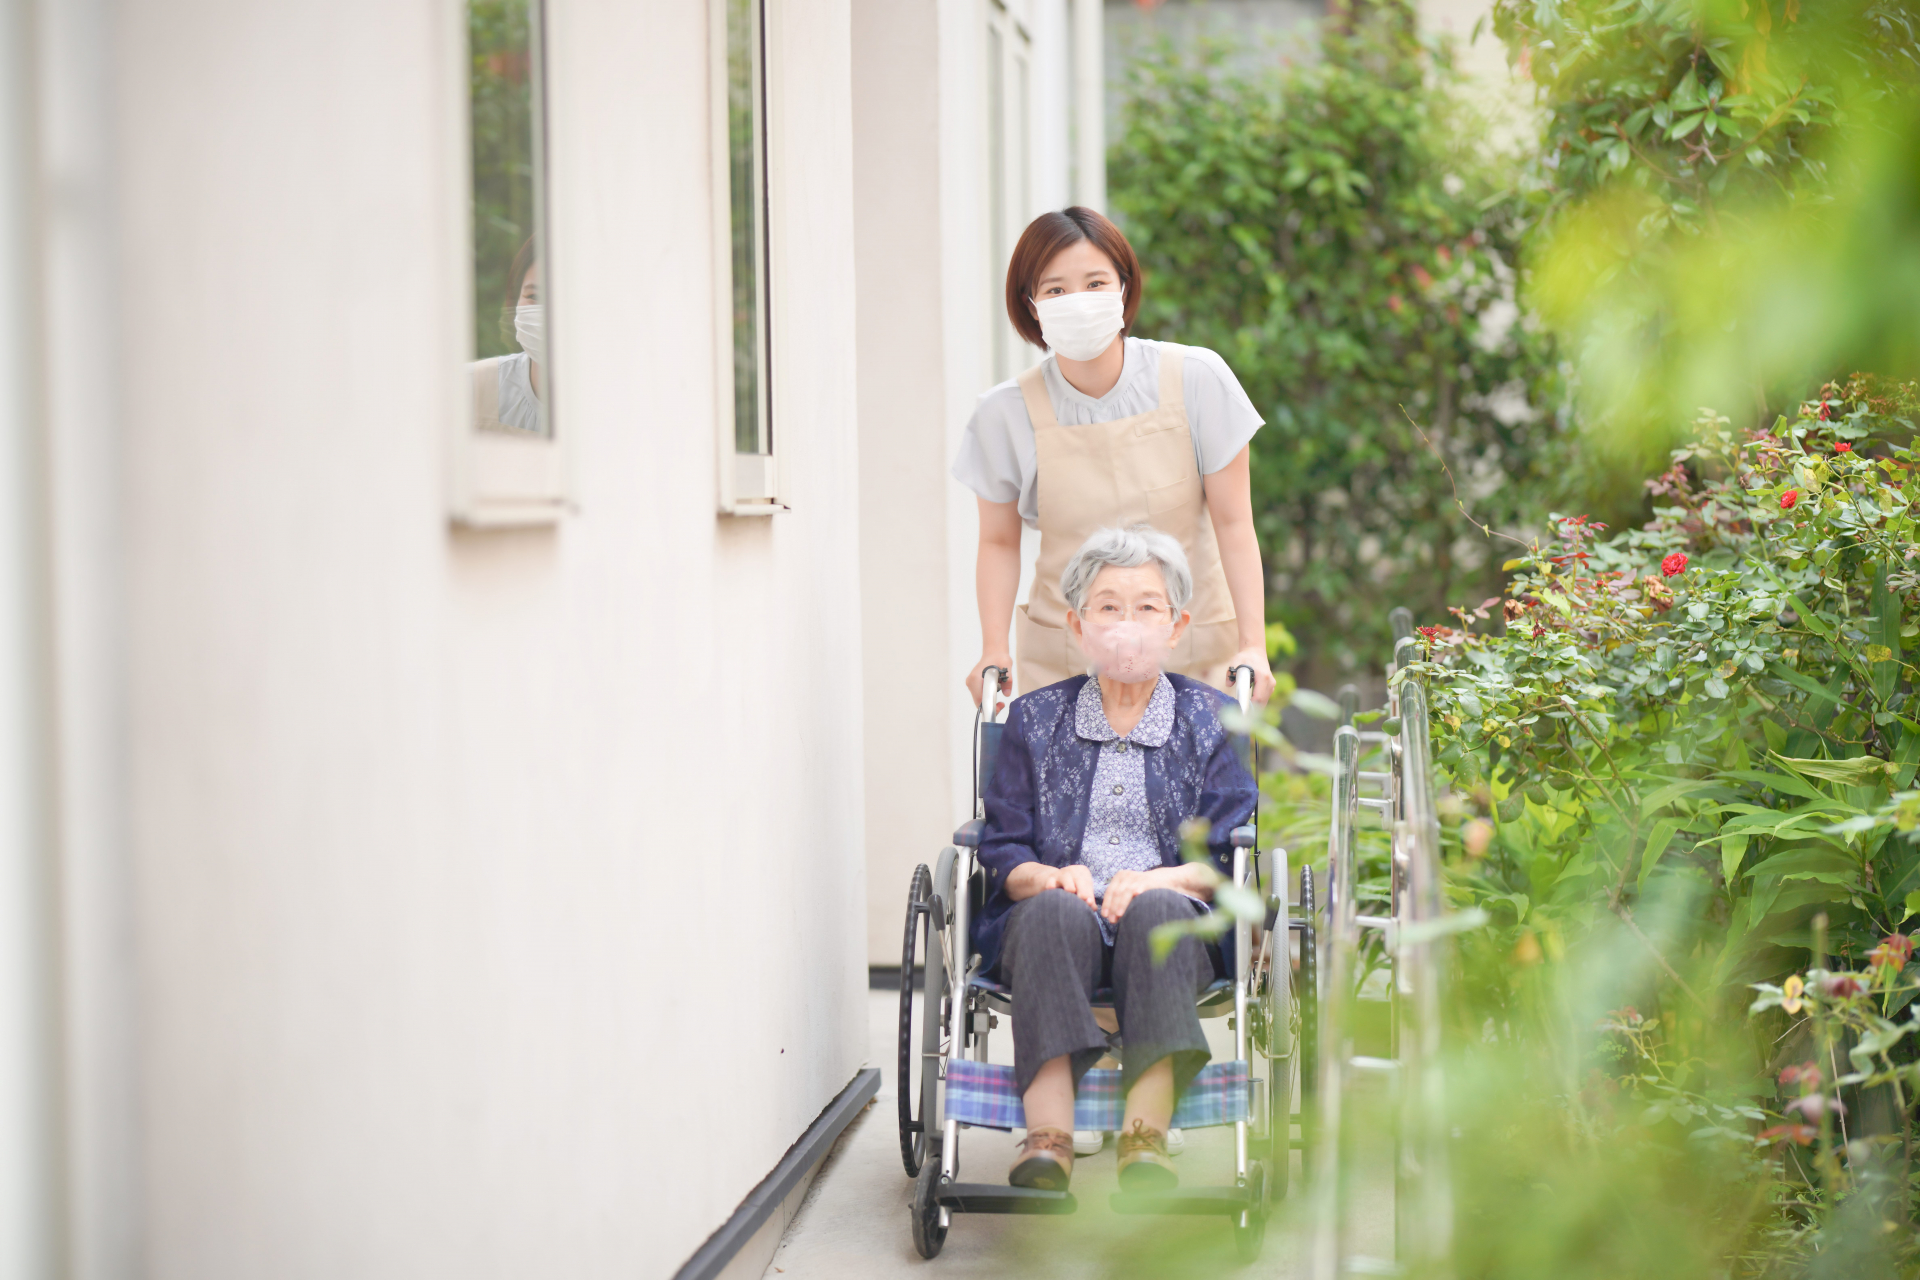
x=495, y=898
x=29, y=1129
x=911, y=667
x=928, y=291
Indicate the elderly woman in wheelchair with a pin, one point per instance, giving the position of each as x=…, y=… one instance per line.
x=1082, y=851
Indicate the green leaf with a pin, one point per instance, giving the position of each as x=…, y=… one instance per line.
x=1819, y=862
x=1784, y=783
x=1778, y=824
x=1317, y=705
x=1733, y=849
x=1907, y=755
x=1852, y=773
x=1683, y=127
x=1802, y=683
x=1885, y=654
x=1427, y=930
x=1912, y=905
x=1239, y=902
x=1657, y=842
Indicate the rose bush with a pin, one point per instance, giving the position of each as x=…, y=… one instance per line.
x=1712, y=766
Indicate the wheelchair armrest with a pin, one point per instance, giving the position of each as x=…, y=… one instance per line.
x=1243, y=837
x=970, y=834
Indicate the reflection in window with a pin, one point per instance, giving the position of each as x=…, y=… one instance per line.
x=509, y=298
x=746, y=150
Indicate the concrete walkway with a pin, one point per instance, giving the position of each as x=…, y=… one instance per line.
x=854, y=1221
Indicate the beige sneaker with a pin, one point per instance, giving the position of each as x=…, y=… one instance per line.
x=1144, y=1163
x=1088, y=1142
x=1045, y=1162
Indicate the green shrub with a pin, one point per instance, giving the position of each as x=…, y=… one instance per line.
x=1681, y=761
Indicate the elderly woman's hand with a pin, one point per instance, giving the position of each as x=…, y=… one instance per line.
x=1030, y=878
x=1128, y=885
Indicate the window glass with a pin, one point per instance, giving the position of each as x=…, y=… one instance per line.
x=511, y=333
x=746, y=152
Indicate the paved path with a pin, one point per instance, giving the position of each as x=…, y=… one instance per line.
x=853, y=1223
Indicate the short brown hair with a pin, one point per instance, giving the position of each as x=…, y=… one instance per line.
x=1046, y=236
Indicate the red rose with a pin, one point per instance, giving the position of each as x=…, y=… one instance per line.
x=1788, y=498
x=1824, y=415
x=1674, y=565
x=1538, y=632
x=1843, y=447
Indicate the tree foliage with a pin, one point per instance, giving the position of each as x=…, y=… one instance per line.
x=1729, y=210
x=1342, y=235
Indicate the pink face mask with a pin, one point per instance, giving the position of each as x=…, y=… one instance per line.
x=1128, y=652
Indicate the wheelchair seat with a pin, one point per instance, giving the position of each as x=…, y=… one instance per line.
x=1215, y=1000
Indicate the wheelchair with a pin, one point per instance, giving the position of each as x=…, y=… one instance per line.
x=1273, y=1007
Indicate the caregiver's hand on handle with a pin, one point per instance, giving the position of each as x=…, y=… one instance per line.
x=976, y=679
x=1030, y=878
x=1262, y=672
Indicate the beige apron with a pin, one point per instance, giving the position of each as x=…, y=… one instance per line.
x=1114, y=474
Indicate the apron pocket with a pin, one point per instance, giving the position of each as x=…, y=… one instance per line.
x=1171, y=497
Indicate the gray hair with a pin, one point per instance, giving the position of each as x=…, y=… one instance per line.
x=1127, y=549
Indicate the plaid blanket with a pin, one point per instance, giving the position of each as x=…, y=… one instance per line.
x=981, y=1093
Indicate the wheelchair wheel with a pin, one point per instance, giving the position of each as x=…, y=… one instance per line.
x=1250, y=1239
x=928, y=1235
x=1271, y=1143
x=933, y=999
x=1307, y=1043
x=913, y=1135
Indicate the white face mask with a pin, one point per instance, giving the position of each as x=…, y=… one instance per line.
x=1081, y=325
x=530, y=327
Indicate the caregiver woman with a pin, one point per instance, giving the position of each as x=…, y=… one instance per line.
x=1109, y=430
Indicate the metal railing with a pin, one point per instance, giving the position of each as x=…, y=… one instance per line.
x=1415, y=941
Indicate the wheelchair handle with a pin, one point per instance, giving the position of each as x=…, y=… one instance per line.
x=990, y=680
x=1241, y=678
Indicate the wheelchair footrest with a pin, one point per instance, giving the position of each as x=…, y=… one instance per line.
x=1000, y=1197
x=1201, y=1201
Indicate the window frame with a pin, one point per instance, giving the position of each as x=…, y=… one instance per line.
x=501, y=481
x=747, y=484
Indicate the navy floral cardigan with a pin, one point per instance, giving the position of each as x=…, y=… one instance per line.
x=1037, y=799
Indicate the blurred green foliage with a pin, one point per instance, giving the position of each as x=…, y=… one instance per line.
x=1730, y=198
x=1345, y=235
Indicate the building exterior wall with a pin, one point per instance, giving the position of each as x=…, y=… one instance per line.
x=930, y=314
x=495, y=899
x=908, y=676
